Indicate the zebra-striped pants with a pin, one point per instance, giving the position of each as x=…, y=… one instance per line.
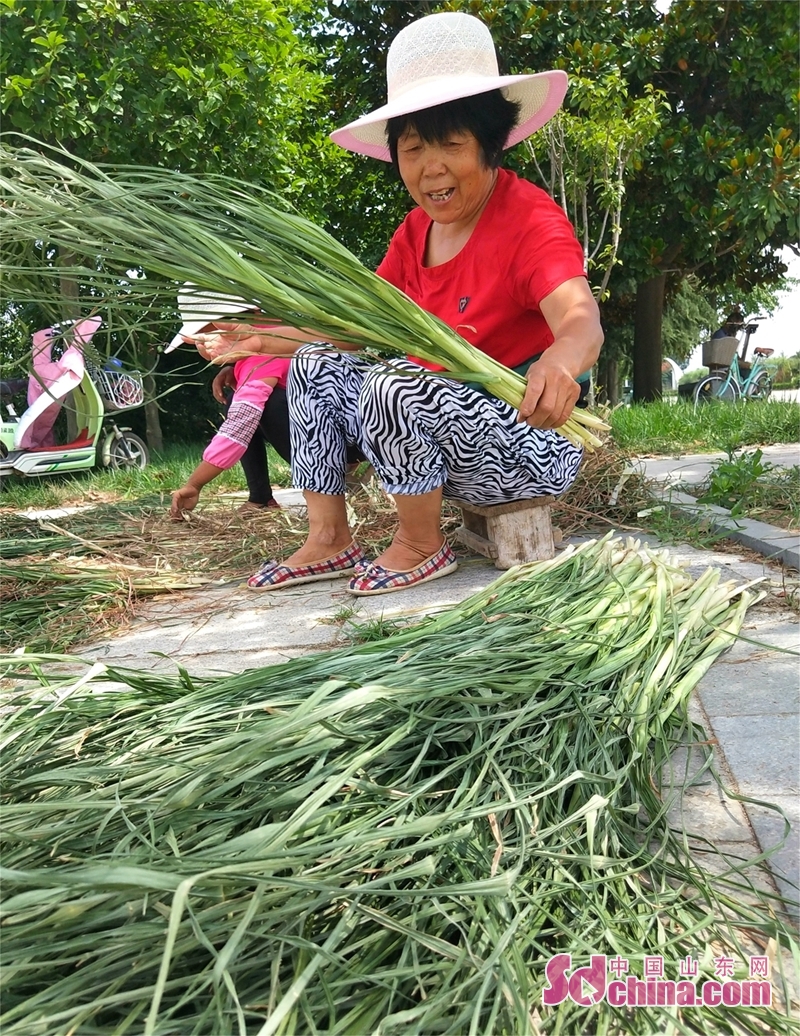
x=419, y=433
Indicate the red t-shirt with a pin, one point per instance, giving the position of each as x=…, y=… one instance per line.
x=522, y=248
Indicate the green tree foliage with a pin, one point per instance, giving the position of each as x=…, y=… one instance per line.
x=785, y=371
x=718, y=194
x=186, y=84
x=584, y=156
x=689, y=318
x=366, y=200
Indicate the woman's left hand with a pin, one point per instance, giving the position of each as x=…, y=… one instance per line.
x=213, y=346
x=551, y=395
x=183, y=500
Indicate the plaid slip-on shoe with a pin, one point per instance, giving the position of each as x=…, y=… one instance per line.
x=375, y=579
x=273, y=575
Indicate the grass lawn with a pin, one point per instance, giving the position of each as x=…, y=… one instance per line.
x=669, y=428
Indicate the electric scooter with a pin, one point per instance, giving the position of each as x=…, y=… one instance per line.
x=27, y=441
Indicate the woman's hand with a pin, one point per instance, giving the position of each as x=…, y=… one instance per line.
x=215, y=346
x=551, y=394
x=225, y=379
x=572, y=315
x=183, y=499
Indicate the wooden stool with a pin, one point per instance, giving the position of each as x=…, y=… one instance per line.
x=509, y=533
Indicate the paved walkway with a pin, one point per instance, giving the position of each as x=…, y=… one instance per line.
x=749, y=702
x=751, y=696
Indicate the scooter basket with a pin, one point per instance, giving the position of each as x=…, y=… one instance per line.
x=119, y=390
x=719, y=352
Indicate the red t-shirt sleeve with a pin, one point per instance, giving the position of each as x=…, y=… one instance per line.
x=520, y=251
x=547, y=255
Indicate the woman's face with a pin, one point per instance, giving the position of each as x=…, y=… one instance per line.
x=449, y=180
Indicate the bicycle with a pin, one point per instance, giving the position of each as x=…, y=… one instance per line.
x=730, y=376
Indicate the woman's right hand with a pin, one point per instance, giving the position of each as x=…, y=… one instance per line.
x=183, y=499
x=225, y=379
x=213, y=346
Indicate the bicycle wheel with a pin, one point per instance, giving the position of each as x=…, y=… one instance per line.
x=715, y=389
x=760, y=387
x=129, y=451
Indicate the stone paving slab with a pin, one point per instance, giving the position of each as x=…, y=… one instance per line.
x=229, y=628
x=770, y=830
x=763, y=751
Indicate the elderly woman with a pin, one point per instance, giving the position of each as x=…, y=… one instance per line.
x=491, y=255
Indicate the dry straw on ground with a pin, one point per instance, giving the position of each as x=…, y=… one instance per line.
x=69, y=580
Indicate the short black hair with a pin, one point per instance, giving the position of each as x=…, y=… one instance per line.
x=489, y=117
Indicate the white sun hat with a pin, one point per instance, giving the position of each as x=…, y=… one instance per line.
x=443, y=57
x=199, y=308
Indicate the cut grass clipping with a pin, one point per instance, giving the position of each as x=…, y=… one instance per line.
x=389, y=839
x=58, y=587
x=222, y=235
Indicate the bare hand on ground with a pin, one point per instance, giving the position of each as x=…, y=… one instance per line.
x=183, y=500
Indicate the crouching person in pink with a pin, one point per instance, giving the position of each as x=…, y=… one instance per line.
x=255, y=378
x=258, y=409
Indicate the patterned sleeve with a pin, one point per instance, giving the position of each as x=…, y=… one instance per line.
x=234, y=435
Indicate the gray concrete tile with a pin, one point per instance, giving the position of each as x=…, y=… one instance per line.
x=763, y=753
x=770, y=828
x=754, y=686
x=733, y=859
x=229, y=628
x=768, y=634
x=708, y=814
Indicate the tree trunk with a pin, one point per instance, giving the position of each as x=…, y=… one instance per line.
x=152, y=415
x=647, y=339
x=608, y=379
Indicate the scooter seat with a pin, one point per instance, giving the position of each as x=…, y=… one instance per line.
x=83, y=440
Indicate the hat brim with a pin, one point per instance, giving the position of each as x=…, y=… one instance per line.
x=539, y=96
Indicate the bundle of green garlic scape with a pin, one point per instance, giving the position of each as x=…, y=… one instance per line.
x=221, y=235
x=386, y=839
